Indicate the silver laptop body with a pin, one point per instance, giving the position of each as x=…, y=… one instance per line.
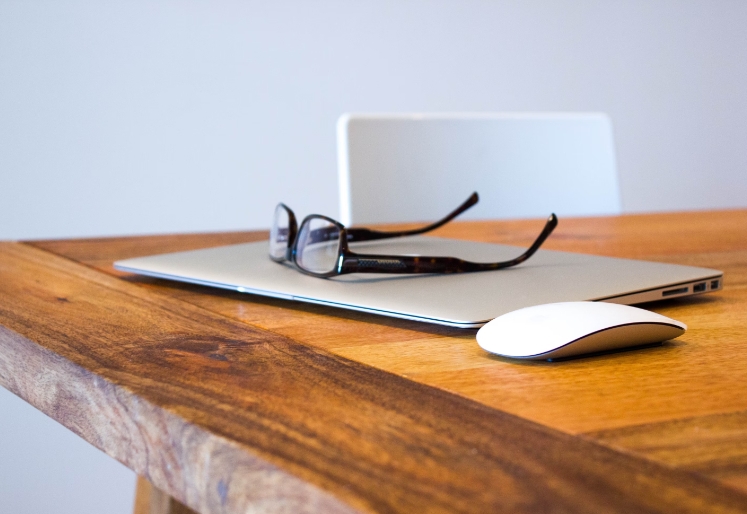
x=465, y=300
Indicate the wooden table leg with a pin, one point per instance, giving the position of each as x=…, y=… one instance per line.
x=151, y=500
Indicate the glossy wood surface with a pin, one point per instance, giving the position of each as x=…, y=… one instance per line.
x=654, y=430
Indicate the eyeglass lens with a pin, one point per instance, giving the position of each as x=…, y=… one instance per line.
x=279, y=232
x=318, y=245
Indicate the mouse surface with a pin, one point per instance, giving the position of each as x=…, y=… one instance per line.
x=557, y=330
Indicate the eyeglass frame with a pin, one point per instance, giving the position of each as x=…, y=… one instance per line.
x=359, y=234
x=350, y=262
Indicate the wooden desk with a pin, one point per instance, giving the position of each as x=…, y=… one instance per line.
x=233, y=403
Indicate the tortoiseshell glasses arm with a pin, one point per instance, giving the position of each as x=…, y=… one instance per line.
x=369, y=263
x=366, y=234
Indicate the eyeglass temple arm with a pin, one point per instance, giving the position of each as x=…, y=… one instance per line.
x=365, y=263
x=366, y=234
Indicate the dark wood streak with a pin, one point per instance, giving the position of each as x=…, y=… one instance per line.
x=712, y=446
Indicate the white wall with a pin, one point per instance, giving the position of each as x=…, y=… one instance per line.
x=143, y=117
x=47, y=469
x=171, y=116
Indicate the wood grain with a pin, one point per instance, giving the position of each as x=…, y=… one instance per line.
x=231, y=418
x=102, y=252
x=714, y=446
x=652, y=403
x=574, y=396
x=94, y=356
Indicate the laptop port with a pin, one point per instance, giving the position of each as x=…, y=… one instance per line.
x=679, y=290
x=714, y=284
x=699, y=288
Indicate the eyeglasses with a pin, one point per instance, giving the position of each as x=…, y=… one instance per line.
x=320, y=247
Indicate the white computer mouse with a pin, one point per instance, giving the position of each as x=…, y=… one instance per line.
x=557, y=330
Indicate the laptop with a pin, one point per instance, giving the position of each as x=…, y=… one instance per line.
x=463, y=300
